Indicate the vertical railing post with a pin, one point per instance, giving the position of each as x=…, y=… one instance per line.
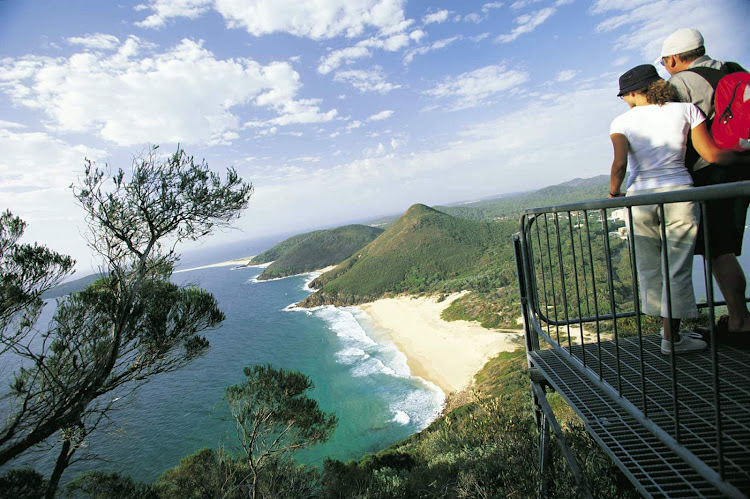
x=593, y=292
x=544, y=275
x=708, y=269
x=637, y=308
x=612, y=306
x=668, y=325
x=552, y=282
x=562, y=280
x=578, y=291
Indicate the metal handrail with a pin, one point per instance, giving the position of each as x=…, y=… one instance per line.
x=560, y=265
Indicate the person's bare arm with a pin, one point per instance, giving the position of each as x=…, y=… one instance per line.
x=619, y=164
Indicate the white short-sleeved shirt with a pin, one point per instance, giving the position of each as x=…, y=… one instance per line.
x=657, y=137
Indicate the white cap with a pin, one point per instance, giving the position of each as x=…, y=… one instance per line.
x=681, y=41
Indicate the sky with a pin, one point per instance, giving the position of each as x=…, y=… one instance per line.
x=335, y=110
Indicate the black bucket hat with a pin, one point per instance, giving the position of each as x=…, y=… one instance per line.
x=638, y=78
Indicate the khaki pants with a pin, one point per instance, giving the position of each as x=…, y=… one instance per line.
x=681, y=227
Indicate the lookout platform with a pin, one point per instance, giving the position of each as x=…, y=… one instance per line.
x=675, y=425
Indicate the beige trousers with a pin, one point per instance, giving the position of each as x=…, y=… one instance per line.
x=681, y=227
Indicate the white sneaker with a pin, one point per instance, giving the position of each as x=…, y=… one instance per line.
x=686, y=343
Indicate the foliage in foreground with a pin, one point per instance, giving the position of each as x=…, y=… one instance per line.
x=126, y=327
x=274, y=417
x=485, y=448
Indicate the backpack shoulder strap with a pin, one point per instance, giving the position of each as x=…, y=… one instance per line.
x=711, y=75
x=733, y=67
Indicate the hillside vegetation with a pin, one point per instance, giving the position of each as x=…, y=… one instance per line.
x=425, y=250
x=447, y=249
x=314, y=250
x=572, y=191
x=483, y=446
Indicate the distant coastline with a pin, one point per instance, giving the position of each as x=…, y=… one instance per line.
x=447, y=354
x=244, y=262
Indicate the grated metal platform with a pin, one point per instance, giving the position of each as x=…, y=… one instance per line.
x=649, y=463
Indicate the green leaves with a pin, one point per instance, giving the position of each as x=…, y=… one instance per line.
x=127, y=326
x=271, y=409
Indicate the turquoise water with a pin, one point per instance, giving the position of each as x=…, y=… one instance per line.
x=357, y=374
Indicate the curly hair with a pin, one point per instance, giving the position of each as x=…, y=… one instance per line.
x=660, y=92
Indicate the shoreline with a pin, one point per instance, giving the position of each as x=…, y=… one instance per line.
x=447, y=354
x=237, y=261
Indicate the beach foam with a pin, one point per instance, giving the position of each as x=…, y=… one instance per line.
x=400, y=417
x=368, y=352
x=415, y=401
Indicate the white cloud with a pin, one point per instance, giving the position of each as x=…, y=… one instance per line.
x=491, y=5
x=316, y=19
x=10, y=125
x=361, y=50
x=648, y=23
x=36, y=161
x=436, y=17
x=96, y=41
x=163, y=10
x=437, y=45
x=382, y=115
x=370, y=152
x=534, y=142
x=520, y=4
x=620, y=61
x=366, y=81
x=417, y=35
x=397, y=143
x=36, y=171
x=602, y=6
x=526, y=24
x=479, y=86
x=476, y=17
x=342, y=56
x=354, y=124
x=135, y=95
x=565, y=75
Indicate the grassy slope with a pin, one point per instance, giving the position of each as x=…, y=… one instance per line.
x=317, y=250
x=423, y=251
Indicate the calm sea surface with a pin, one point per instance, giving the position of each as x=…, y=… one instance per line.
x=358, y=375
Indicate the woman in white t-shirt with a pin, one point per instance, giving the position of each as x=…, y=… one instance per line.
x=651, y=140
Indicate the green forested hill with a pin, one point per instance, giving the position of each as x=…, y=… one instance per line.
x=423, y=251
x=568, y=192
x=314, y=250
x=281, y=248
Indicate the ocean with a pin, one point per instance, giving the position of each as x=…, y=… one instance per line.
x=358, y=374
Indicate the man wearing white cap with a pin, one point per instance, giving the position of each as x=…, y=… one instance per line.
x=684, y=56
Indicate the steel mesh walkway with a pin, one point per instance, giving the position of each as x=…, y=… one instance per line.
x=678, y=426
x=644, y=458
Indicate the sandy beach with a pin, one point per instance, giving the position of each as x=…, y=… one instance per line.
x=238, y=262
x=448, y=354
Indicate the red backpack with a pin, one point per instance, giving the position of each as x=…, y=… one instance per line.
x=731, y=123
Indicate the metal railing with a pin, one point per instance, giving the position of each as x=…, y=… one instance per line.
x=580, y=299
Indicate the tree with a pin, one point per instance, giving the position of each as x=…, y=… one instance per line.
x=273, y=416
x=130, y=325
